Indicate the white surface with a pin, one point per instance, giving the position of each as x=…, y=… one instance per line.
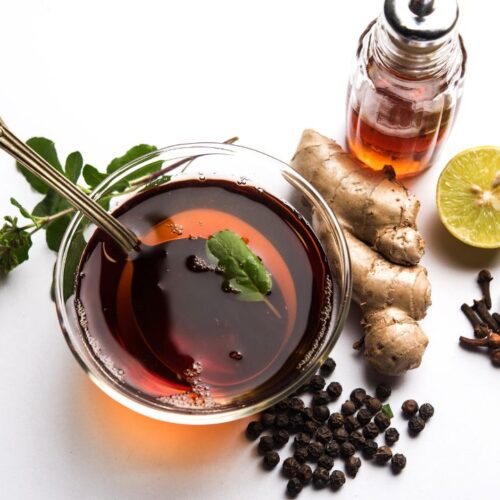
x=103, y=76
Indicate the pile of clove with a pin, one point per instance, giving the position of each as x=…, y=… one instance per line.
x=485, y=324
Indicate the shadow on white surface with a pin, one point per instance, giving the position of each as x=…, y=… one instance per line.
x=442, y=245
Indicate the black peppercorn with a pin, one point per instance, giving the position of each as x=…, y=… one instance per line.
x=382, y=421
x=373, y=404
x=301, y=454
x=321, y=412
x=304, y=474
x=281, y=421
x=267, y=420
x=325, y=461
x=281, y=406
x=357, y=397
x=370, y=448
x=391, y=435
x=351, y=423
x=320, y=398
x=364, y=416
x=383, y=455
x=336, y=421
x=398, y=463
x=294, y=487
x=302, y=439
x=357, y=439
x=409, y=407
x=315, y=450
x=334, y=390
x=324, y=434
x=310, y=427
x=266, y=443
x=290, y=467
x=348, y=408
x=307, y=413
x=280, y=437
x=383, y=391
x=302, y=389
x=426, y=411
x=328, y=367
x=296, y=404
x=296, y=421
x=370, y=430
x=337, y=479
x=347, y=449
x=317, y=383
x=254, y=430
x=271, y=460
x=340, y=435
x=352, y=465
x=321, y=477
x=333, y=449
x=416, y=424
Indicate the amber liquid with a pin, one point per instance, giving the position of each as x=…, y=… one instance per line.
x=385, y=140
x=172, y=332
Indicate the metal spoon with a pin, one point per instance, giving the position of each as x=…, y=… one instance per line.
x=37, y=165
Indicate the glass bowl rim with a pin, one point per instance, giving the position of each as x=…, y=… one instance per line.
x=183, y=415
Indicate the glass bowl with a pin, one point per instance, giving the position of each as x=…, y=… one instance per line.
x=202, y=161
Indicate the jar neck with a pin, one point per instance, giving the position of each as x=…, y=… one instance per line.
x=410, y=58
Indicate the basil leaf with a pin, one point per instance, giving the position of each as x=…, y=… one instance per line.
x=243, y=270
x=92, y=176
x=46, y=149
x=130, y=155
x=73, y=166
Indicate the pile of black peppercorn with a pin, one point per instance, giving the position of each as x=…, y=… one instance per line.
x=322, y=437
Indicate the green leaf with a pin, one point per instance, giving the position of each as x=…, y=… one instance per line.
x=73, y=166
x=46, y=149
x=55, y=232
x=387, y=411
x=243, y=270
x=130, y=155
x=92, y=176
x=15, y=244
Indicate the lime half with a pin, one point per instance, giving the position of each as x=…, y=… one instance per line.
x=468, y=196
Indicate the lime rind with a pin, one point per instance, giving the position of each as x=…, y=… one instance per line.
x=471, y=172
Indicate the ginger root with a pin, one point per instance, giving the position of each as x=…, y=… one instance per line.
x=375, y=207
x=379, y=211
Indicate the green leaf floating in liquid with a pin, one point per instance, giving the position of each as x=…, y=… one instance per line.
x=243, y=271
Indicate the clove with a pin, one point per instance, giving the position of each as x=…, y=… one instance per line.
x=484, y=277
x=495, y=357
x=480, y=329
x=492, y=341
x=482, y=311
x=496, y=317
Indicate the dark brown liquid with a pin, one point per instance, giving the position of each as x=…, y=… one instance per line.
x=165, y=326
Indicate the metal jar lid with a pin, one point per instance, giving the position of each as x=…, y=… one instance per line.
x=421, y=20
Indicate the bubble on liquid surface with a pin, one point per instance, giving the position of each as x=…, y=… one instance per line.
x=177, y=229
x=95, y=345
x=324, y=321
x=201, y=176
x=199, y=396
x=242, y=181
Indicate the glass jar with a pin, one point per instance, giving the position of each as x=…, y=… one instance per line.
x=405, y=90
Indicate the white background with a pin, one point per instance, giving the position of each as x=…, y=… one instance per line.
x=103, y=76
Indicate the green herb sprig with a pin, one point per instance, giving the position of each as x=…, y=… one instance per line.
x=53, y=214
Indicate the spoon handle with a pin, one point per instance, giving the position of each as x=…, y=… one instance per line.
x=69, y=191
